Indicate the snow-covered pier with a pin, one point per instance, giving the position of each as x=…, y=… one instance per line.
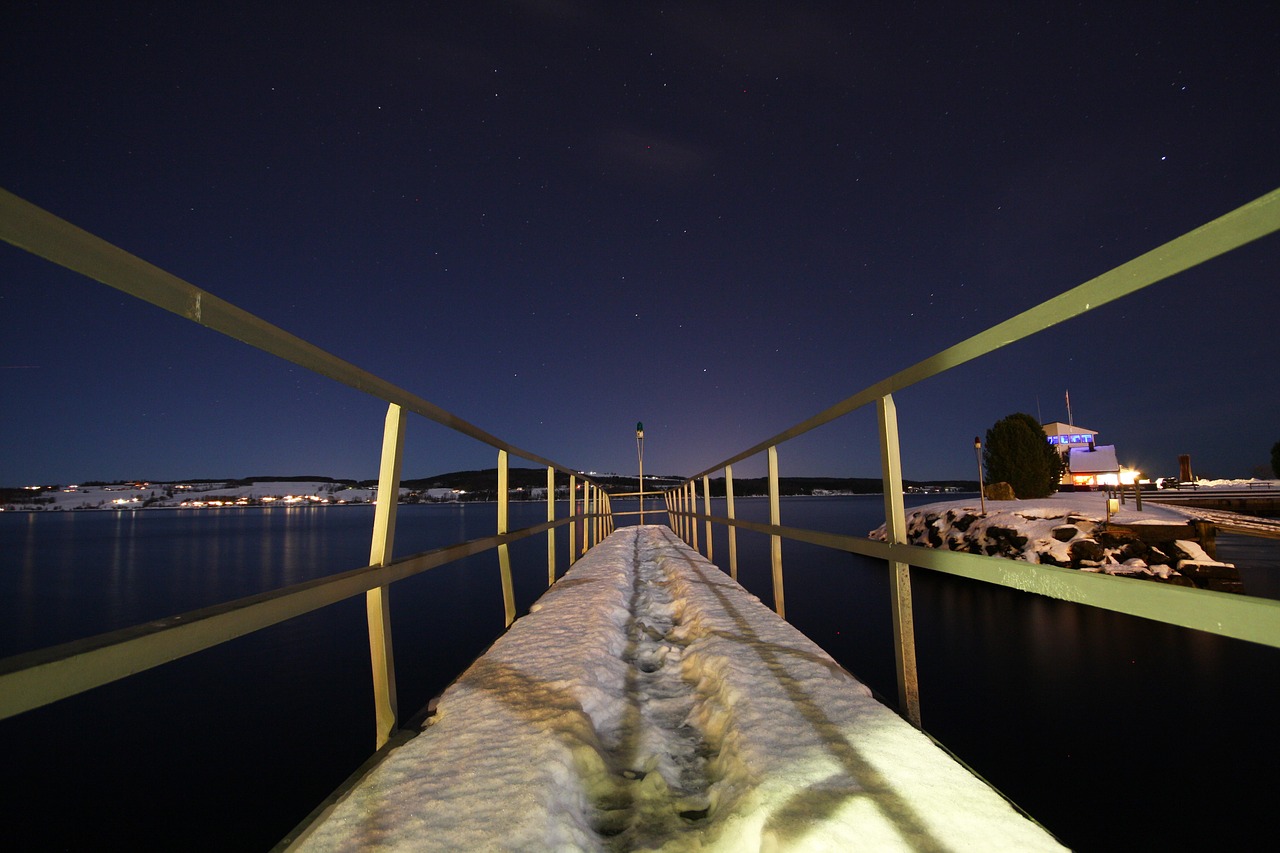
x=648, y=702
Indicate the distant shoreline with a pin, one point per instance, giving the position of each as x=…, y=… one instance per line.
x=273, y=506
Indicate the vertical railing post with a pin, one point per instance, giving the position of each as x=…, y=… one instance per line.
x=706, y=510
x=895, y=513
x=377, y=601
x=573, y=514
x=733, y=530
x=690, y=507
x=588, y=518
x=551, y=531
x=679, y=502
x=504, y=552
x=684, y=513
x=673, y=505
x=775, y=541
x=693, y=507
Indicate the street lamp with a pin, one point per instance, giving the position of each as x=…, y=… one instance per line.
x=982, y=489
x=640, y=458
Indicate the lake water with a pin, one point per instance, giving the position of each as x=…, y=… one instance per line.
x=1112, y=731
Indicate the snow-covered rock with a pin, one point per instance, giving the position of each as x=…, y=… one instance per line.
x=1072, y=529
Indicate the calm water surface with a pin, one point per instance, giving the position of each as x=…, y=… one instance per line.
x=1114, y=732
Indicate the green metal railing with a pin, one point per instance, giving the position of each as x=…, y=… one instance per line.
x=1250, y=619
x=38, y=678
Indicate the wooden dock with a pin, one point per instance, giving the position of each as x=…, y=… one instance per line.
x=1251, y=502
x=1229, y=512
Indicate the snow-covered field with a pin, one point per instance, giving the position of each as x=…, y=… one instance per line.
x=196, y=496
x=649, y=702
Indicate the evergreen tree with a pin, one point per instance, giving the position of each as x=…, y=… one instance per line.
x=1017, y=452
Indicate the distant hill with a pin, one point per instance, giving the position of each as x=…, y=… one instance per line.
x=479, y=485
x=485, y=480
x=833, y=485
x=536, y=478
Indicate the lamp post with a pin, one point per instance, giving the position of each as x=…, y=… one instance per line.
x=982, y=489
x=640, y=458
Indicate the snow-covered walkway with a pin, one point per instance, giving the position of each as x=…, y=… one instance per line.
x=648, y=702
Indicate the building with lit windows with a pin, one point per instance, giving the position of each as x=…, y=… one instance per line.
x=1089, y=464
x=1063, y=437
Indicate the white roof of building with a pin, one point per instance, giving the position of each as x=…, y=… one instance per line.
x=1085, y=461
x=1059, y=428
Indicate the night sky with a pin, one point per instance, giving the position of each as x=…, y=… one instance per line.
x=555, y=218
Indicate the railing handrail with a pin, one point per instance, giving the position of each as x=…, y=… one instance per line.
x=41, y=233
x=29, y=680
x=1232, y=616
x=85, y=663
x=38, y=677
x=1230, y=231
x=1227, y=614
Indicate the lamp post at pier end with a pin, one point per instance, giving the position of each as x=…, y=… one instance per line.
x=982, y=489
x=640, y=459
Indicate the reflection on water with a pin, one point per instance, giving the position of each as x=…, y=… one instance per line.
x=69, y=575
x=192, y=744
x=1258, y=560
x=89, y=572
x=1077, y=714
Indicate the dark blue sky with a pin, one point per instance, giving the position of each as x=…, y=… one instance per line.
x=557, y=218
